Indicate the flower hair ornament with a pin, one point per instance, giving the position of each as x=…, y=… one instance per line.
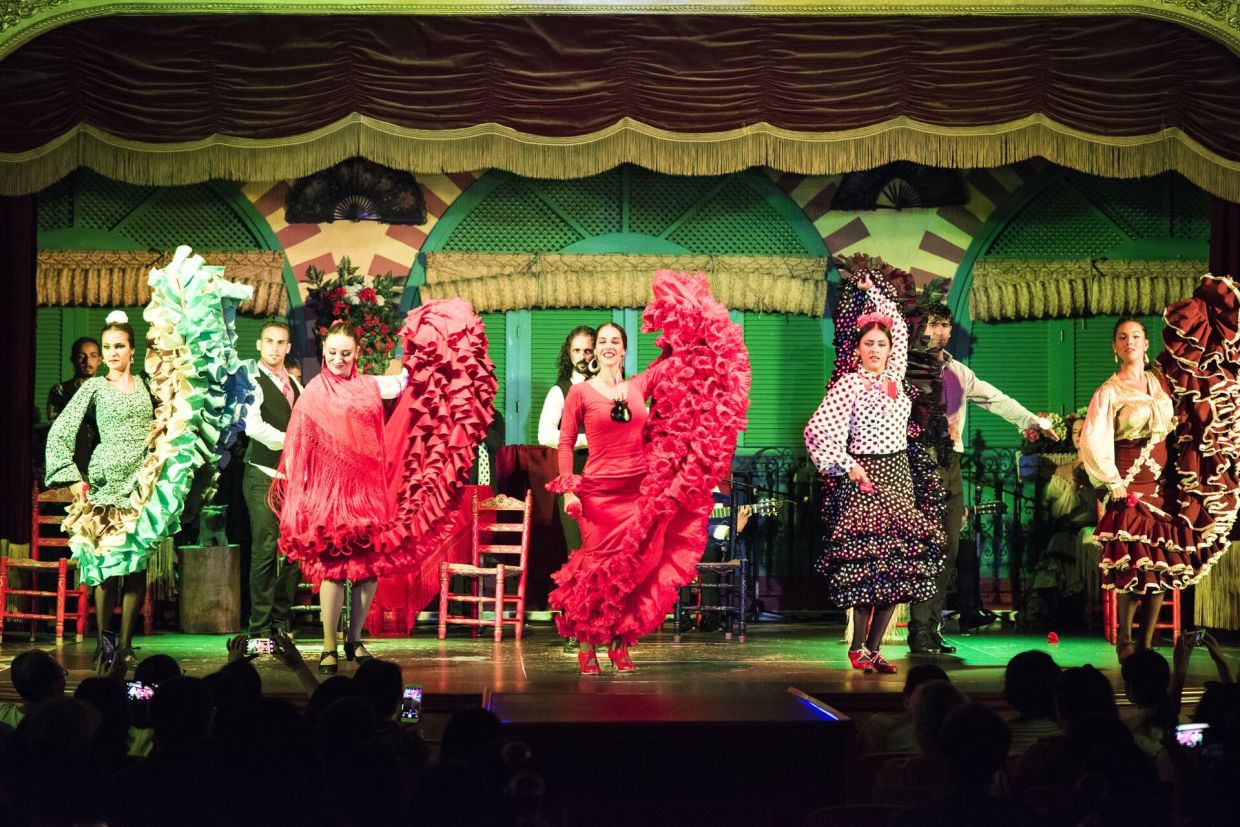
x=872, y=317
x=117, y=317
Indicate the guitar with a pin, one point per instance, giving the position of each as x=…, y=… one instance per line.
x=769, y=507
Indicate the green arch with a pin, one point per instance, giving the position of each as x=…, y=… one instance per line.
x=1009, y=213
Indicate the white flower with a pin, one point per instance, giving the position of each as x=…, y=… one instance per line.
x=378, y=300
x=116, y=317
x=351, y=298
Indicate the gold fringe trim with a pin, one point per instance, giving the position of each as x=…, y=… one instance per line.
x=118, y=278
x=1008, y=289
x=486, y=146
x=1218, y=596
x=517, y=281
x=14, y=551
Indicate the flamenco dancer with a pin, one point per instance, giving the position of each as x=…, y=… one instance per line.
x=361, y=495
x=884, y=542
x=130, y=496
x=643, y=498
x=1162, y=443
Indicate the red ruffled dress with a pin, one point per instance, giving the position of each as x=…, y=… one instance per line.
x=645, y=490
x=365, y=494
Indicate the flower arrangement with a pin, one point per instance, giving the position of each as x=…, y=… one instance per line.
x=372, y=309
x=1035, y=442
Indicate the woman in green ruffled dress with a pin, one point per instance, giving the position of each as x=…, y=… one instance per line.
x=121, y=406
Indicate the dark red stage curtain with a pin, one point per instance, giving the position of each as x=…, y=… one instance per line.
x=1225, y=238
x=18, y=257
x=166, y=79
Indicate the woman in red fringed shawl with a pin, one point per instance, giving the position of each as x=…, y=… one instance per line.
x=645, y=493
x=363, y=495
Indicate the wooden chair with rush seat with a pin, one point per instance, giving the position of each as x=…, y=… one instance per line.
x=47, y=512
x=491, y=563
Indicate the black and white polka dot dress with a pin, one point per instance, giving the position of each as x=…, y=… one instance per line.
x=886, y=545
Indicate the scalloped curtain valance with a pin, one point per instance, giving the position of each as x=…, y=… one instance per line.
x=519, y=281
x=117, y=278
x=1010, y=289
x=173, y=99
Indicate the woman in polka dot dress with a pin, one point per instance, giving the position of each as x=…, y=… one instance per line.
x=882, y=545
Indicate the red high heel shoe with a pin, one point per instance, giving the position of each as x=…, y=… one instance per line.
x=587, y=662
x=860, y=659
x=881, y=666
x=620, y=659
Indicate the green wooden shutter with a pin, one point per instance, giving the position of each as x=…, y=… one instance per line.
x=1016, y=358
x=548, y=329
x=51, y=356
x=790, y=367
x=497, y=349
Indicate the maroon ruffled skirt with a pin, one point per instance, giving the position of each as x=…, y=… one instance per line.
x=1146, y=546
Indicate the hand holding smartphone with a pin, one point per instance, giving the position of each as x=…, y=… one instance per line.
x=411, y=704
x=138, y=691
x=259, y=646
x=108, y=650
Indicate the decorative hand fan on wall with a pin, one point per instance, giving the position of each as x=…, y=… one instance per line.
x=356, y=190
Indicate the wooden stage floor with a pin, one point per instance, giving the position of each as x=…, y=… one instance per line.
x=776, y=655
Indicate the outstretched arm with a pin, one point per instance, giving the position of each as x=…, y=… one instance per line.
x=986, y=395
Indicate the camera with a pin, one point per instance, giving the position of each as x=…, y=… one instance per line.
x=260, y=646
x=138, y=691
x=411, y=704
x=1197, y=636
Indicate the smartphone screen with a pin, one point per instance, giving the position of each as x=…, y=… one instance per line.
x=260, y=646
x=108, y=649
x=1199, y=636
x=411, y=705
x=1191, y=735
x=138, y=691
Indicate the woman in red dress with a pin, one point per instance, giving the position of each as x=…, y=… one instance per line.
x=365, y=494
x=643, y=498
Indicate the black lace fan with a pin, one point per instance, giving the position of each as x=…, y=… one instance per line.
x=356, y=190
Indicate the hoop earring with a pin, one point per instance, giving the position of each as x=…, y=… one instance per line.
x=592, y=365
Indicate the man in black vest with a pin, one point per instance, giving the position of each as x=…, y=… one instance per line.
x=273, y=582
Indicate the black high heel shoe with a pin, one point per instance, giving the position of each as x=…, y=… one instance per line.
x=329, y=668
x=350, y=652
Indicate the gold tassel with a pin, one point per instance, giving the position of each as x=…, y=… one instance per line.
x=1217, y=603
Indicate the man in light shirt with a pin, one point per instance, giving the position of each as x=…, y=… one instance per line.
x=273, y=582
x=960, y=387
x=573, y=367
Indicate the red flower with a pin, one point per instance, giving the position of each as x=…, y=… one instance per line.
x=367, y=295
x=383, y=328
x=338, y=293
x=1051, y=637
x=339, y=310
